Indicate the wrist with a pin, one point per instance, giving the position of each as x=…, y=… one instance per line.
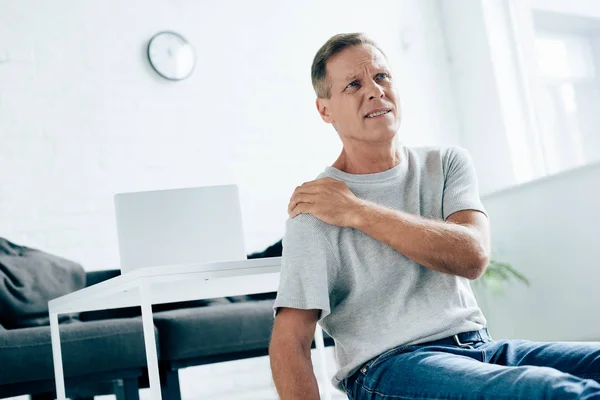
x=360, y=214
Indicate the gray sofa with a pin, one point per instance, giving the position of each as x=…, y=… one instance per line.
x=103, y=351
x=99, y=357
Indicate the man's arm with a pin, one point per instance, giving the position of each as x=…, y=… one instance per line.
x=460, y=246
x=289, y=352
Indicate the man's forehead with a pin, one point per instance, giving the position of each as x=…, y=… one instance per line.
x=353, y=61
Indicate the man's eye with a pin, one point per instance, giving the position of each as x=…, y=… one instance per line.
x=382, y=75
x=352, y=84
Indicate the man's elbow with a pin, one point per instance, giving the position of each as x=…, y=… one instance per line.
x=477, y=264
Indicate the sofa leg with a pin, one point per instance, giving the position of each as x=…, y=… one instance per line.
x=126, y=389
x=170, y=386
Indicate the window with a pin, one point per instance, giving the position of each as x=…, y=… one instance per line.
x=568, y=100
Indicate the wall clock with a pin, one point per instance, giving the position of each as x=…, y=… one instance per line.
x=171, y=55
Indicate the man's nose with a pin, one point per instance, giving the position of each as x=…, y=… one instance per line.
x=375, y=91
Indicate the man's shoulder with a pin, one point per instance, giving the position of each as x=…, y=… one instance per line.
x=308, y=223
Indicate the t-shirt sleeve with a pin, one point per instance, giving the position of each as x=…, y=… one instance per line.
x=307, y=257
x=461, y=191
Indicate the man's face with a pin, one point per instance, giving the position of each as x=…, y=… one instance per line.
x=361, y=89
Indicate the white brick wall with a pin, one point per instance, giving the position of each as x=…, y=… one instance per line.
x=83, y=116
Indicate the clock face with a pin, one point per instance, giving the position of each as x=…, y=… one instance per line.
x=171, y=55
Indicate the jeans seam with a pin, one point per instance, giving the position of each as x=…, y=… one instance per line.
x=423, y=396
x=483, y=356
x=386, y=395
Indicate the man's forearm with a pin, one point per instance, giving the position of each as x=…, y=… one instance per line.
x=438, y=245
x=293, y=374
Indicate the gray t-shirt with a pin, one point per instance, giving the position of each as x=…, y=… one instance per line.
x=372, y=298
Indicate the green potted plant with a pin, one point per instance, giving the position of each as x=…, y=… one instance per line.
x=498, y=275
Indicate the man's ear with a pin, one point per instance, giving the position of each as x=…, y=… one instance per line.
x=323, y=108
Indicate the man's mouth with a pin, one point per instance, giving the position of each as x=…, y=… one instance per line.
x=378, y=113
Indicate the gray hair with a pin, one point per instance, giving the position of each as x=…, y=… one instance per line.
x=334, y=46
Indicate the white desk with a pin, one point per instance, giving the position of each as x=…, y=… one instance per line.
x=165, y=284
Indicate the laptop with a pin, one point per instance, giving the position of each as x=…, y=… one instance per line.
x=179, y=226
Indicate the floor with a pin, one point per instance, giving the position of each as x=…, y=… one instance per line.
x=248, y=379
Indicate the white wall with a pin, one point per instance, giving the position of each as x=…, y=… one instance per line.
x=83, y=115
x=548, y=230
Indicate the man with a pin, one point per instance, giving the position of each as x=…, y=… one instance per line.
x=380, y=250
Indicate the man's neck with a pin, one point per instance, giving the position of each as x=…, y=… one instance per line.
x=367, y=160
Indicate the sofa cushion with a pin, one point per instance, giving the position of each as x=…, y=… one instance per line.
x=87, y=348
x=28, y=279
x=218, y=329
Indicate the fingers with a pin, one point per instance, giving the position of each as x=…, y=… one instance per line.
x=306, y=195
x=301, y=208
x=301, y=198
x=313, y=187
x=307, y=188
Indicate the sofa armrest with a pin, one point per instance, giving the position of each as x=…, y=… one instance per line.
x=93, y=277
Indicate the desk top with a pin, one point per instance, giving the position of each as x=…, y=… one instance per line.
x=174, y=283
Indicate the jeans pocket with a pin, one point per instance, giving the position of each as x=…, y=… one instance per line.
x=381, y=358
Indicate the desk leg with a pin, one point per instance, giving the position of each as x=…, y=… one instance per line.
x=325, y=375
x=150, y=342
x=59, y=377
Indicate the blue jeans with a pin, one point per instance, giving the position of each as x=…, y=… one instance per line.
x=486, y=369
